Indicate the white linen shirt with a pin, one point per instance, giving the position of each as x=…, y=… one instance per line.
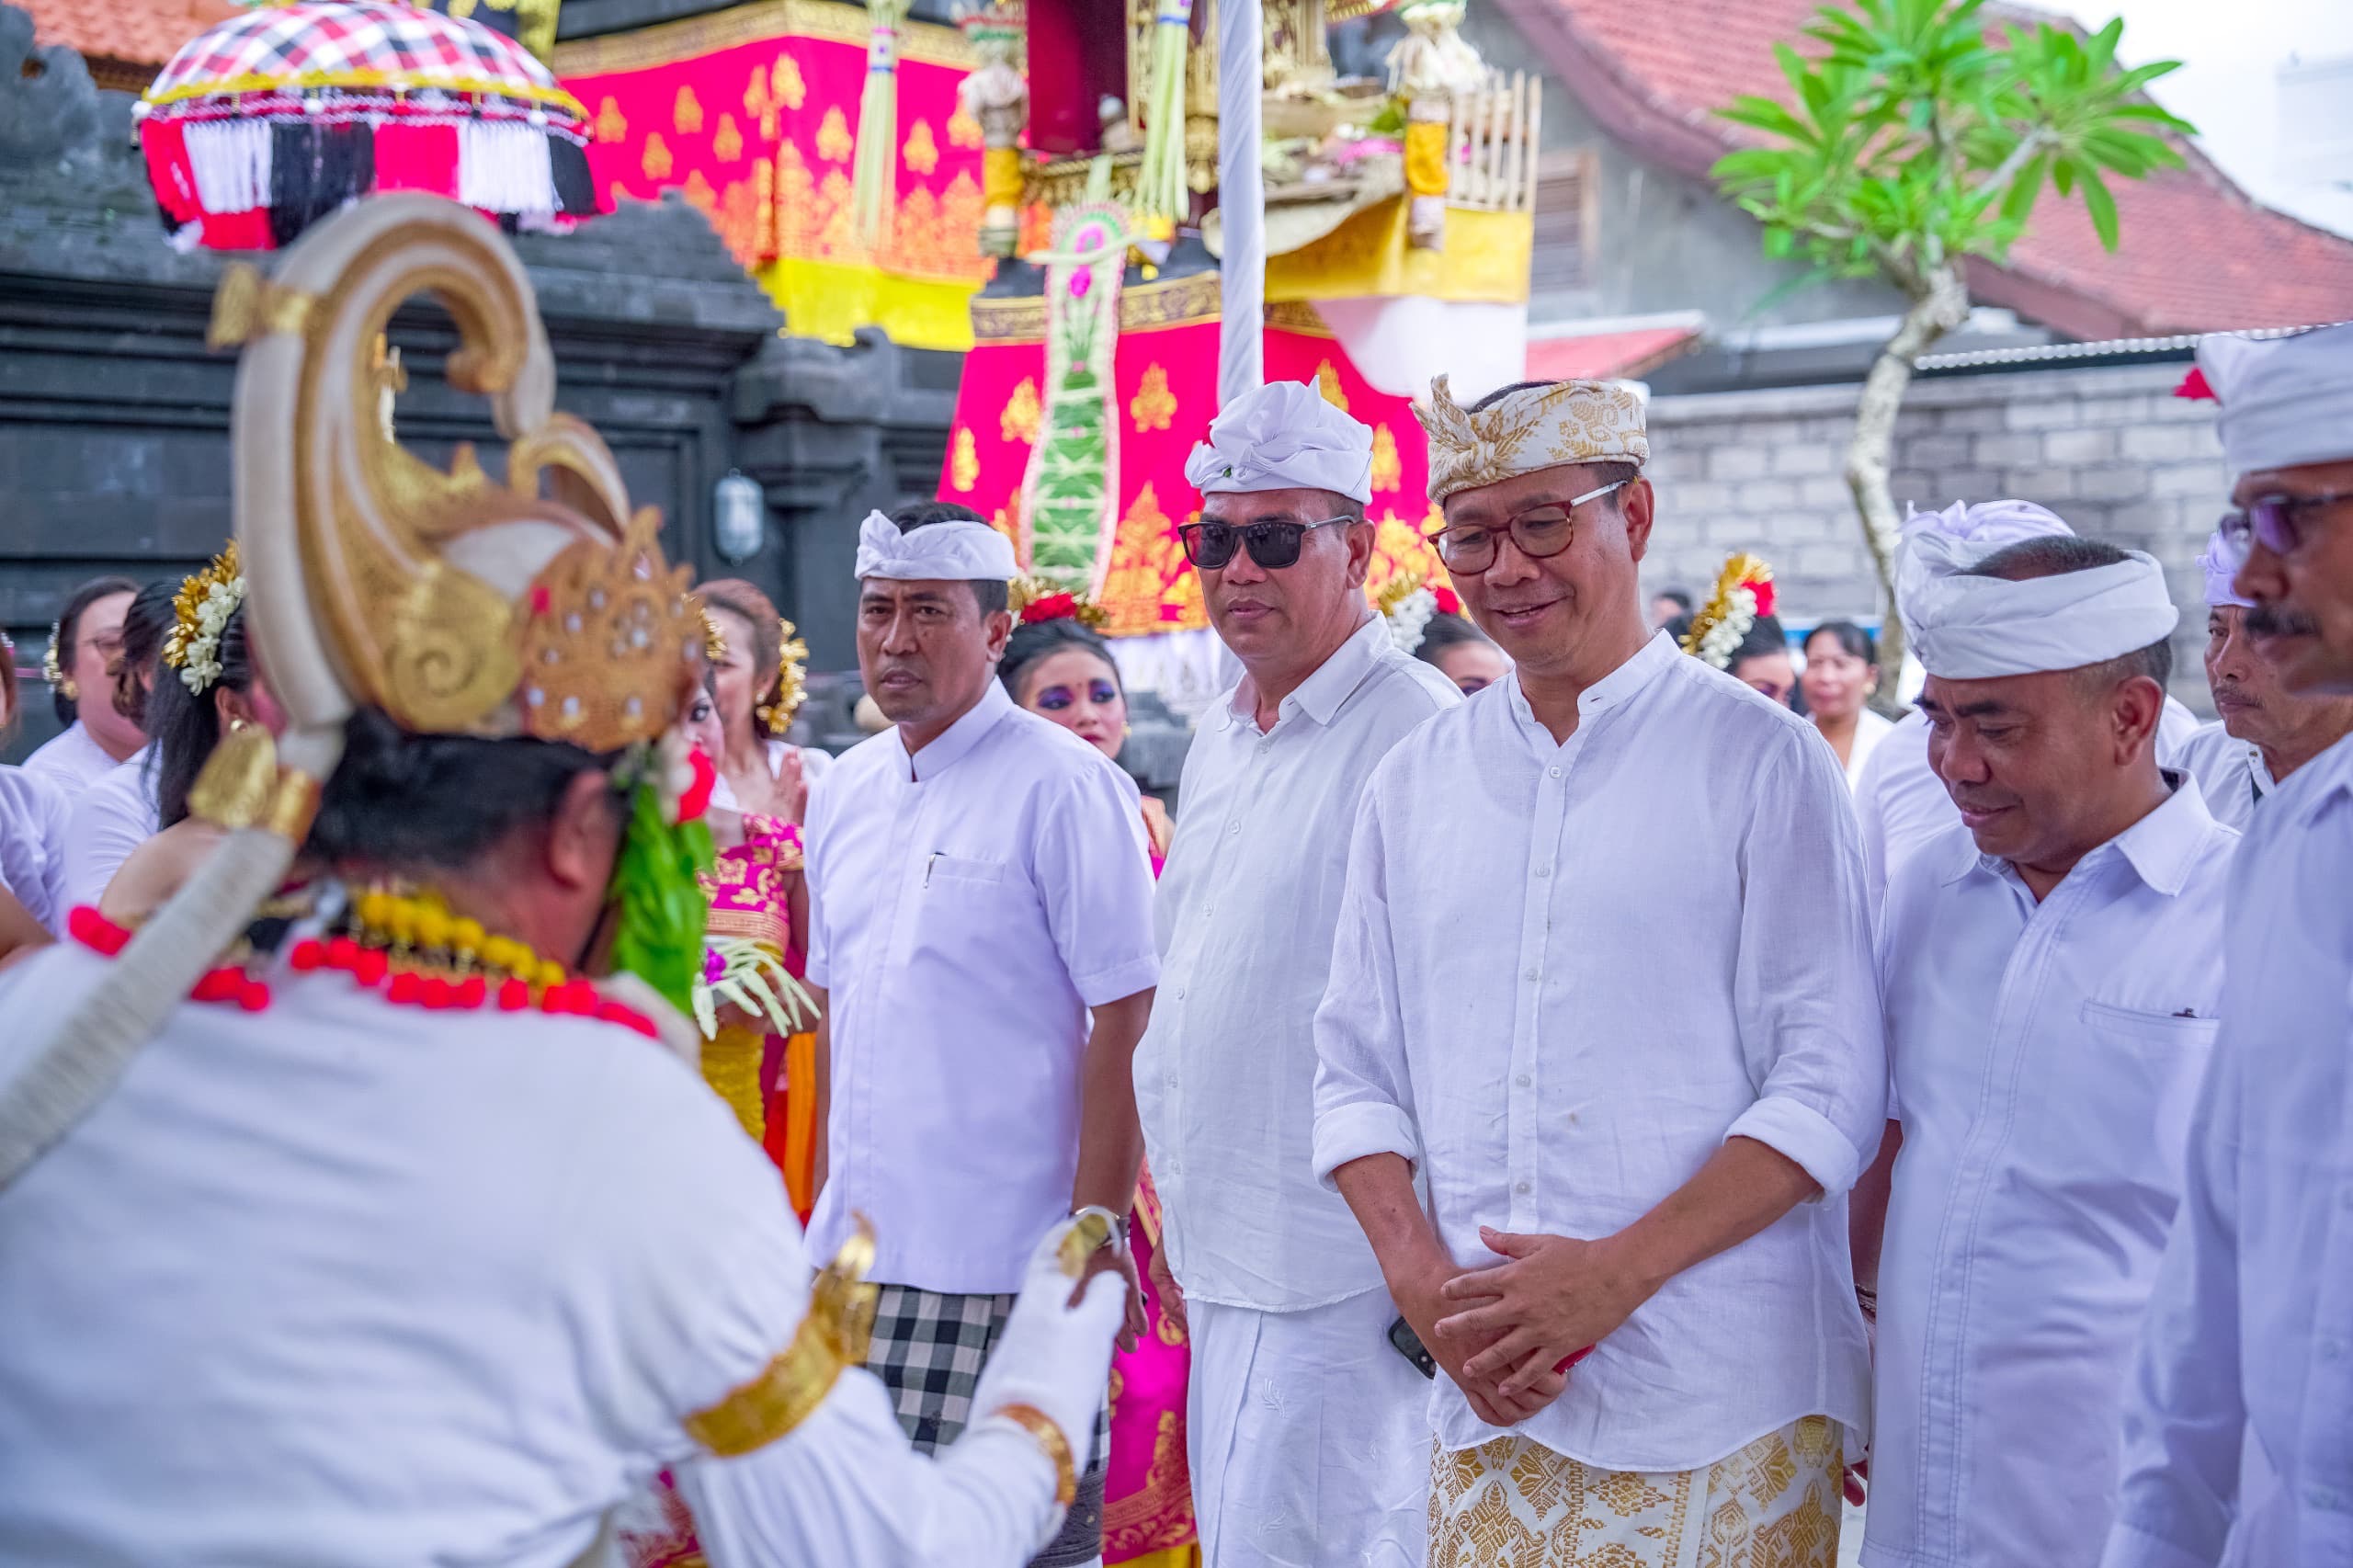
x=1225, y=1077
x=967, y=906
x=72, y=759
x=2046, y=1056
x=1903, y=805
x=2229, y=772
x=110, y=819
x=1566, y=974
x=2250, y=1331
x=33, y=816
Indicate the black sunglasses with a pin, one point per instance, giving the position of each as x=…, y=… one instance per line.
x=1272, y=545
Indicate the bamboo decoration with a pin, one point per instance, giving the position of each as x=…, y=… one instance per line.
x=1161, y=199
x=1491, y=137
x=873, y=172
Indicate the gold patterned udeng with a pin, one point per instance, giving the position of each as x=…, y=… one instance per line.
x=1546, y=427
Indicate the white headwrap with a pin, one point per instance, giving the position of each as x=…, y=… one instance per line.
x=1283, y=435
x=2221, y=563
x=955, y=551
x=2286, y=400
x=1989, y=525
x=1969, y=628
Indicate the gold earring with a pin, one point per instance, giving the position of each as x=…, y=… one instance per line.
x=236, y=726
x=68, y=690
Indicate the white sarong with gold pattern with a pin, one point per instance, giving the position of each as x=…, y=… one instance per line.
x=1515, y=1504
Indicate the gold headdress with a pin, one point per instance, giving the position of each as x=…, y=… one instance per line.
x=790, y=687
x=200, y=610
x=1743, y=591
x=457, y=605
x=1541, y=427
x=50, y=670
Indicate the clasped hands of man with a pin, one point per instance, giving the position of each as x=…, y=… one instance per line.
x=1508, y=1334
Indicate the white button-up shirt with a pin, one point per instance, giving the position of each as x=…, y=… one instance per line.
x=1225, y=1078
x=967, y=906
x=2231, y=773
x=2250, y=1331
x=2045, y=1058
x=72, y=759
x=110, y=819
x=1567, y=974
x=33, y=816
x=1902, y=805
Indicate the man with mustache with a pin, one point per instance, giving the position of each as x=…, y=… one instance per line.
x=2264, y=731
x=2247, y=1360
x=2052, y=971
x=1301, y=1417
x=1602, y=989
x=980, y=890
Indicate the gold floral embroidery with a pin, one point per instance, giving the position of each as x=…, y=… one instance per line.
x=1019, y=421
x=1328, y=381
x=786, y=84
x=963, y=130
x=610, y=124
x=1154, y=407
x=964, y=466
x=759, y=105
x=655, y=162
x=1388, y=472
x=686, y=114
x=834, y=143
x=920, y=151
x=728, y=142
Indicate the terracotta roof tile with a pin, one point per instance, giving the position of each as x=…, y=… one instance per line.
x=2198, y=254
x=139, y=32
x=1600, y=355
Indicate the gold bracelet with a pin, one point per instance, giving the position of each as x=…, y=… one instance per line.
x=1050, y=1442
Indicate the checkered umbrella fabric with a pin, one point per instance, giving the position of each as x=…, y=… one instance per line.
x=356, y=46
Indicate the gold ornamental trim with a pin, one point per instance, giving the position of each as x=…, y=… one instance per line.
x=926, y=43
x=1173, y=302
x=830, y=1339
x=1051, y=1443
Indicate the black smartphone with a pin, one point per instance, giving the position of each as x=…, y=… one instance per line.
x=1406, y=1343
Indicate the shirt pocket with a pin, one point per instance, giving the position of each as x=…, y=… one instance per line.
x=2114, y=1111
x=2162, y=1032
x=960, y=871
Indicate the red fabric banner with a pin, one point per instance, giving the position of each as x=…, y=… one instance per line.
x=1167, y=394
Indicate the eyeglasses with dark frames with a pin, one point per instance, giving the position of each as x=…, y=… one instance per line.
x=1273, y=544
x=1538, y=532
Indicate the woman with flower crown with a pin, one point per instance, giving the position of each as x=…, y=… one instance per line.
x=209, y=688
x=1059, y=667
x=757, y=688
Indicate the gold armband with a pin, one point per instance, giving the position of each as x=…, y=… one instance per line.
x=832, y=1339
x=1050, y=1442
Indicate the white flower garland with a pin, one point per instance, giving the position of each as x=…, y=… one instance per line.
x=1411, y=617
x=1721, y=641
x=200, y=654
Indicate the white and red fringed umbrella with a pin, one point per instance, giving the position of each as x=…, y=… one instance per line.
x=282, y=114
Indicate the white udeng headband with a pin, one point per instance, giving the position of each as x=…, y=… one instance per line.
x=1968, y=628
x=958, y=550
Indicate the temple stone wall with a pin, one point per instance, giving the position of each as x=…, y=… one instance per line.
x=2110, y=449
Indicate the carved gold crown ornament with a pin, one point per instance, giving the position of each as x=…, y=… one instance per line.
x=790, y=687
x=200, y=612
x=457, y=604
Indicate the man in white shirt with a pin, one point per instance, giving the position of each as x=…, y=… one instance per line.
x=1303, y=1419
x=83, y=646
x=2249, y=1357
x=2052, y=971
x=2265, y=732
x=1603, y=984
x=979, y=884
x=1899, y=802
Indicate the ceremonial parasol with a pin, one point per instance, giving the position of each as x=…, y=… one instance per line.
x=282, y=114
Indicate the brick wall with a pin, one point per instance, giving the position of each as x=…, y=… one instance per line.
x=2111, y=450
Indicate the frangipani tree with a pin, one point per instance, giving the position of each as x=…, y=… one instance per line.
x=1913, y=140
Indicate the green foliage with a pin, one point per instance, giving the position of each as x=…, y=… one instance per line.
x=658, y=935
x=1912, y=140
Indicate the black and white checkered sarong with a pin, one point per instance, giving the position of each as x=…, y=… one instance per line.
x=928, y=1349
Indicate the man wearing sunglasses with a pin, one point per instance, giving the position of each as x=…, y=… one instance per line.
x=1304, y=1421
x=2237, y=1437
x=1603, y=992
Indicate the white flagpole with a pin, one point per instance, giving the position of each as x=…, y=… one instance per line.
x=1241, y=203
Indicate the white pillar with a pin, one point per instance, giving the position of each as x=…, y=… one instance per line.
x=1242, y=202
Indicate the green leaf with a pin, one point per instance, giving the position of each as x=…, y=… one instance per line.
x=2102, y=206
x=2025, y=185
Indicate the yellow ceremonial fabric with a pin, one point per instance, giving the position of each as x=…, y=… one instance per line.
x=1485, y=259
x=1514, y=1504
x=730, y=1065
x=830, y=302
x=800, y=1159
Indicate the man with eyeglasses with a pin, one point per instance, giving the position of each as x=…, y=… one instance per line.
x=2238, y=1423
x=1602, y=990
x=1301, y=1417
